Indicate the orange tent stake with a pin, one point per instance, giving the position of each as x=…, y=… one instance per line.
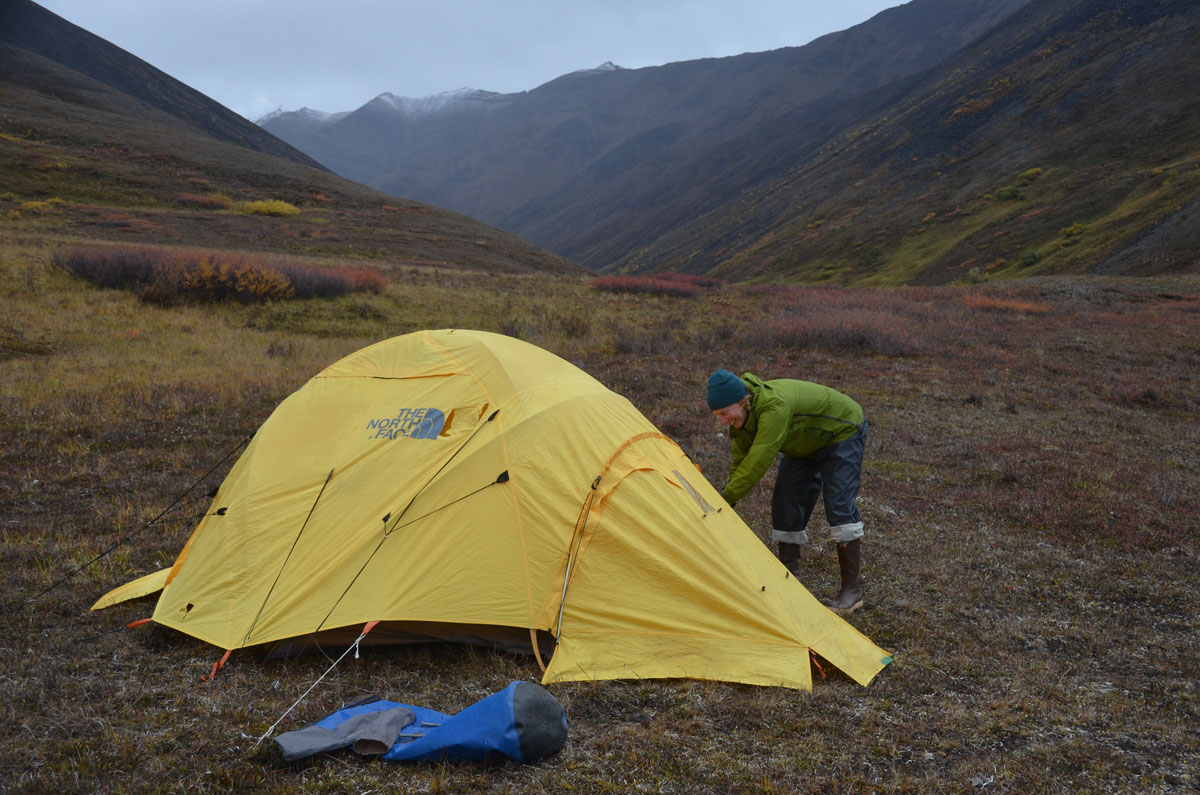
x=216, y=667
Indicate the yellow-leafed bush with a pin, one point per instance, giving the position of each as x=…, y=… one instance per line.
x=207, y=279
x=270, y=207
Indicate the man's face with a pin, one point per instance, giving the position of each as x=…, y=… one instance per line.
x=734, y=415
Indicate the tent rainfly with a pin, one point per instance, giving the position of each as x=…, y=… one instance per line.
x=464, y=485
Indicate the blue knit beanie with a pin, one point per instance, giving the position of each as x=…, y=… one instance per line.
x=724, y=389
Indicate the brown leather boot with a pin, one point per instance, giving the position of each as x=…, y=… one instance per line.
x=790, y=556
x=850, y=597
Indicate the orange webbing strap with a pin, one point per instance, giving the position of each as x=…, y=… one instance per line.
x=370, y=625
x=813, y=655
x=138, y=623
x=217, y=666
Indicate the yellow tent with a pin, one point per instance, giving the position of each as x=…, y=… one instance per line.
x=469, y=486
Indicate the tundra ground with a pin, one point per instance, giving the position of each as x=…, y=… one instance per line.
x=1031, y=496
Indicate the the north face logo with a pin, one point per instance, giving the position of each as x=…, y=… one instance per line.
x=408, y=423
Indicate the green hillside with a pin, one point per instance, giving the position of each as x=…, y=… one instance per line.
x=1064, y=141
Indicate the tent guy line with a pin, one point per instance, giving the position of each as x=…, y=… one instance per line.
x=501, y=478
x=283, y=566
x=353, y=647
x=113, y=547
x=395, y=525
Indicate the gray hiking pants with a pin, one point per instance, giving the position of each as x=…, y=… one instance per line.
x=833, y=473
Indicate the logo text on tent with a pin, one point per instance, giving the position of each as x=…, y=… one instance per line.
x=408, y=424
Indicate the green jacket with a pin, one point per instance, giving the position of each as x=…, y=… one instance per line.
x=795, y=418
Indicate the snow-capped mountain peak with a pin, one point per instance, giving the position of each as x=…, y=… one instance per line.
x=304, y=115
x=434, y=102
x=607, y=66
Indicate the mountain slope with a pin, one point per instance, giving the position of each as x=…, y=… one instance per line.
x=570, y=162
x=790, y=105
x=27, y=25
x=1067, y=140
x=82, y=158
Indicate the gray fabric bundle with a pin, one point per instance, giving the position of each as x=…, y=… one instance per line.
x=369, y=734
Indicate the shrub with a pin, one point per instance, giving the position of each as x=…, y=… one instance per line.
x=648, y=285
x=313, y=282
x=214, y=280
x=859, y=332
x=211, y=201
x=1028, y=176
x=977, y=301
x=45, y=205
x=276, y=207
x=1005, y=194
x=574, y=324
x=112, y=268
x=364, y=280
x=882, y=322
x=1028, y=259
x=692, y=279
x=976, y=276
x=309, y=282
x=164, y=276
x=1071, y=235
x=1013, y=192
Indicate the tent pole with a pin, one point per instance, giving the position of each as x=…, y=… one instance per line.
x=572, y=551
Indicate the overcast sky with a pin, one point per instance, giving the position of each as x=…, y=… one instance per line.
x=254, y=56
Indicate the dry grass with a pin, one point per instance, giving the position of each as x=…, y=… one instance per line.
x=1030, y=495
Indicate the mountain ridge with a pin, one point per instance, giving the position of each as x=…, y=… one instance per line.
x=572, y=145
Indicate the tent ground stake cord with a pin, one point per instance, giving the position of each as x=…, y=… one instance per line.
x=126, y=537
x=353, y=648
